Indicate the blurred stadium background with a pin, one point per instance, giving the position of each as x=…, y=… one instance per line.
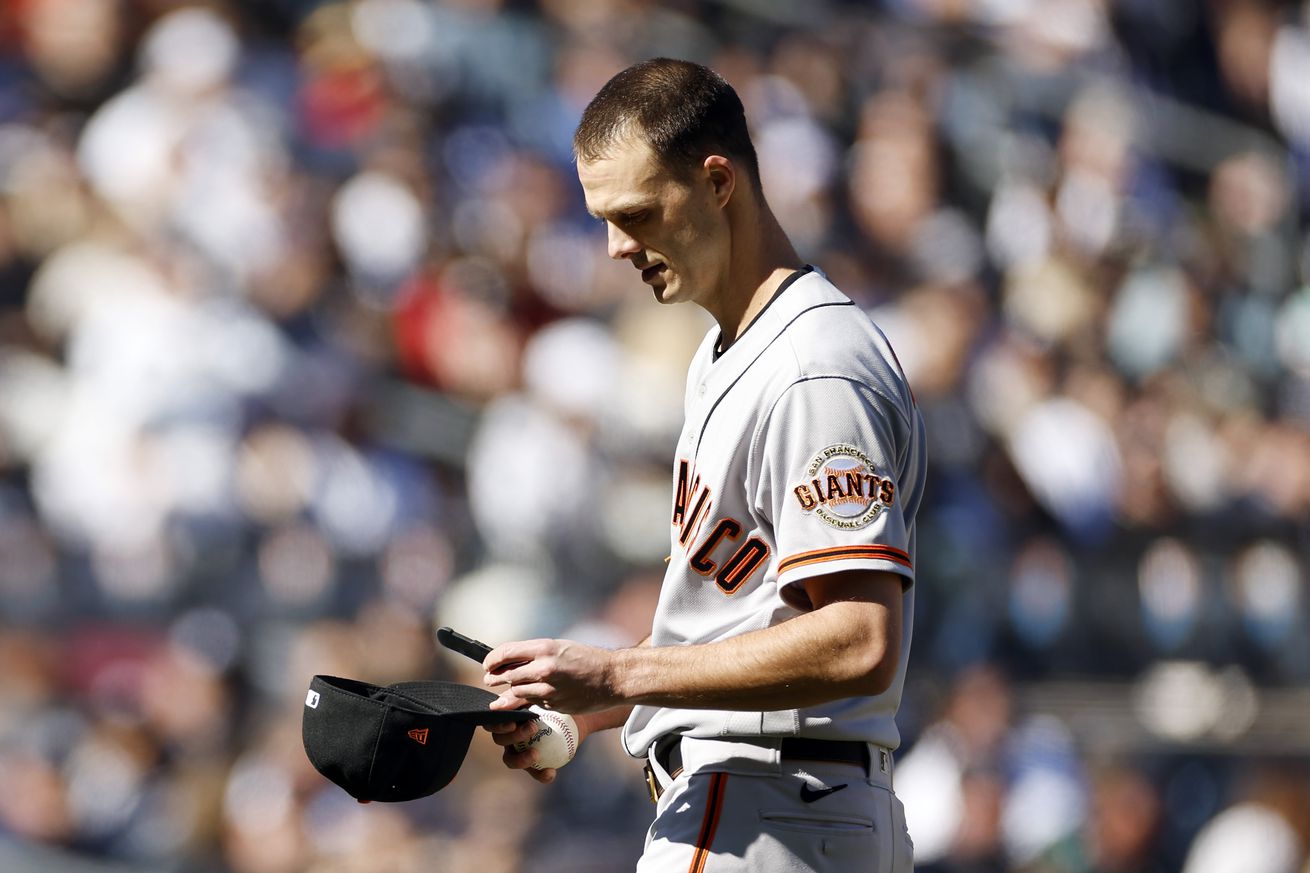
x=306, y=342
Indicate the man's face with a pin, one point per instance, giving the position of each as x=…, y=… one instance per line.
x=670, y=228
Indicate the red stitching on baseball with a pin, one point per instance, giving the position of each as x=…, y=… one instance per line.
x=568, y=738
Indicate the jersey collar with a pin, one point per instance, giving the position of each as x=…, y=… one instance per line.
x=804, y=290
x=786, y=283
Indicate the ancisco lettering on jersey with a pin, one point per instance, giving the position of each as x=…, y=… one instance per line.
x=692, y=503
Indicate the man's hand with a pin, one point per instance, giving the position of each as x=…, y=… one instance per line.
x=506, y=735
x=558, y=674
x=554, y=674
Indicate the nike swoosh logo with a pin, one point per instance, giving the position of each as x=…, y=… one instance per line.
x=809, y=795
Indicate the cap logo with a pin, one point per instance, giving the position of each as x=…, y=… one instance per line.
x=311, y=699
x=419, y=735
x=842, y=489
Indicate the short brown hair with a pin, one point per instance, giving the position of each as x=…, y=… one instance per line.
x=683, y=111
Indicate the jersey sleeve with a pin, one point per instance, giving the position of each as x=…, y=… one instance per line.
x=828, y=455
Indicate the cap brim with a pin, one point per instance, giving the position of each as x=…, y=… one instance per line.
x=462, y=703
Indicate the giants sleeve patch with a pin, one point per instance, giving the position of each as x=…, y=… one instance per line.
x=842, y=488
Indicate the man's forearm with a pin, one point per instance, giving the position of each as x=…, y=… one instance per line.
x=847, y=645
x=842, y=650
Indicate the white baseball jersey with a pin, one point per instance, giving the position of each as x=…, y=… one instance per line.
x=802, y=455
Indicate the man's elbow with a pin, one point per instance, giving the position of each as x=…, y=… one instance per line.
x=869, y=663
x=865, y=614
x=878, y=669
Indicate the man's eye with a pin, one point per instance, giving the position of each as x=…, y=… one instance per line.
x=633, y=217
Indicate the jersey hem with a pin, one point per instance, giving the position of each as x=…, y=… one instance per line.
x=837, y=553
x=799, y=572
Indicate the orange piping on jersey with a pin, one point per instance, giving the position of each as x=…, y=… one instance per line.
x=709, y=824
x=840, y=553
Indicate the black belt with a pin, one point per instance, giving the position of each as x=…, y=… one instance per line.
x=668, y=752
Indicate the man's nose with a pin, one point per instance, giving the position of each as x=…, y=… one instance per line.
x=621, y=245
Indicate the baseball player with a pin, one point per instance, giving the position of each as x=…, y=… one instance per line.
x=764, y=698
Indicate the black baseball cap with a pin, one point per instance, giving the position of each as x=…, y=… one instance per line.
x=398, y=742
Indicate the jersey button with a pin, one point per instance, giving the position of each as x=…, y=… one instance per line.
x=700, y=392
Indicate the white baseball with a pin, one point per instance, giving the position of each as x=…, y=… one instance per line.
x=556, y=739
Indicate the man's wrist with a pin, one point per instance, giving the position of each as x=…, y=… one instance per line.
x=626, y=675
x=590, y=723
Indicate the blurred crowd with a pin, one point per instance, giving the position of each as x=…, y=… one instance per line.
x=307, y=343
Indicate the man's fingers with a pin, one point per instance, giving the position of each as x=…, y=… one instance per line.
x=515, y=673
x=508, y=699
x=508, y=727
x=491, y=679
x=500, y=669
x=524, y=761
x=516, y=760
x=510, y=655
x=508, y=735
x=496, y=660
x=518, y=696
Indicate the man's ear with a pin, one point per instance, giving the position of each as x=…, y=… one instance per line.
x=723, y=177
